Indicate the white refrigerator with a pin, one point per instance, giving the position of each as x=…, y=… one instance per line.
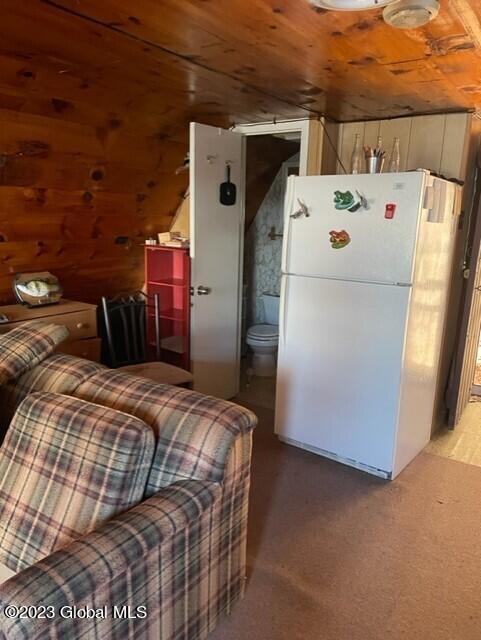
x=366, y=268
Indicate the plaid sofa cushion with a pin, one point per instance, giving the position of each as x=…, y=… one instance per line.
x=59, y=373
x=194, y=432
x=65, y=467
x=27, y=345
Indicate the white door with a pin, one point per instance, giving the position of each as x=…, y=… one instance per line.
x=380, y=248
x=216, y=243
x=339, y=368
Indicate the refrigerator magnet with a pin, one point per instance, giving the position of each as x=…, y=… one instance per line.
x=345, y=201
x=339, y=239
x=389, y=211
x=302, y=211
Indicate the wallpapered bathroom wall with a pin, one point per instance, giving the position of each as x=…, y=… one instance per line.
x=262, y=264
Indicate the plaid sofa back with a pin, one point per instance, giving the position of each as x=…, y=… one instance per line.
x=65, y=467
x=25, y=346
x=59, y=373
x=194, y=433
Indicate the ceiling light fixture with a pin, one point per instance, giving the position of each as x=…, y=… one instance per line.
x=401, y=14
x=410, y=14
x=350, y=5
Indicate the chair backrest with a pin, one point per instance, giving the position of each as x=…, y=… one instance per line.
x=125, y=319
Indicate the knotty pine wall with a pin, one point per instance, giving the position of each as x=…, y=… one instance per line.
x=83, y=179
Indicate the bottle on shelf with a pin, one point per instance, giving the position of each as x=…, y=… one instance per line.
x=395, y=159
x=357, y=158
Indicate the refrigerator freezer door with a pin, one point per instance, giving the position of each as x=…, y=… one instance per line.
x=340, y=360
x=380, y=241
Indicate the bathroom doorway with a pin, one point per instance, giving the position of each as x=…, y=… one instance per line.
x=270, y=160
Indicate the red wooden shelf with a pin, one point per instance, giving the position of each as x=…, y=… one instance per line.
x=175, y=344
x=167, y=273
x=168, y=282
x=173, y=314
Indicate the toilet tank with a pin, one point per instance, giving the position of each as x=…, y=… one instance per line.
x=271, y=308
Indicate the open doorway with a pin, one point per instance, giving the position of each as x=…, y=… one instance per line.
x=270, y=160
x=216, y=234
x=462, y=441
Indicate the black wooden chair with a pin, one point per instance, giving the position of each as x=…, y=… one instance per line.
x=127, y=339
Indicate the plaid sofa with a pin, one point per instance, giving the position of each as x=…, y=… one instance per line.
x=172, y=565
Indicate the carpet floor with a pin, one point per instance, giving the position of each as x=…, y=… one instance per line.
x=335, y=554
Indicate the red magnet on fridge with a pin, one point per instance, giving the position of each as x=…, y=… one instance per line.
x=389, y=211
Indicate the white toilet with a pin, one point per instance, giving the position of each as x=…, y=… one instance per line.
x=263, y=339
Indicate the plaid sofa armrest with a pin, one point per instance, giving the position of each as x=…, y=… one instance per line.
x=92, y=572
x=25, y=346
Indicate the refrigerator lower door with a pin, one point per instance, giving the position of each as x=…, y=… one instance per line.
x=340, y=364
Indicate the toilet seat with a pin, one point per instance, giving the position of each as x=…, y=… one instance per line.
x=263, y=333
x=263, y=339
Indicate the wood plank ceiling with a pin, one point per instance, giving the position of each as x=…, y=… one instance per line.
x=258, y=58
x=96, y=96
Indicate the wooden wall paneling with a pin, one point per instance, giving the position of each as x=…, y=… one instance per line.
x=52, y=226
x=347, y=137
x=314, y=151
x=432, y=142
x=371, y=133
x=455, y=148
x=181, y=222
x=329, y=148
x=426, y=142
x=72, y=191
x=396, y=128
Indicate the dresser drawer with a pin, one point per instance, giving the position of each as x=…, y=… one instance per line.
x=80, y=318
x=81, y=324
x=88, y=349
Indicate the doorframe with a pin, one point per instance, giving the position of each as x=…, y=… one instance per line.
x=303, y=126
x=285, y=174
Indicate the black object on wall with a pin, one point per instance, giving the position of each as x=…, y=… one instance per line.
x=228, y=191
